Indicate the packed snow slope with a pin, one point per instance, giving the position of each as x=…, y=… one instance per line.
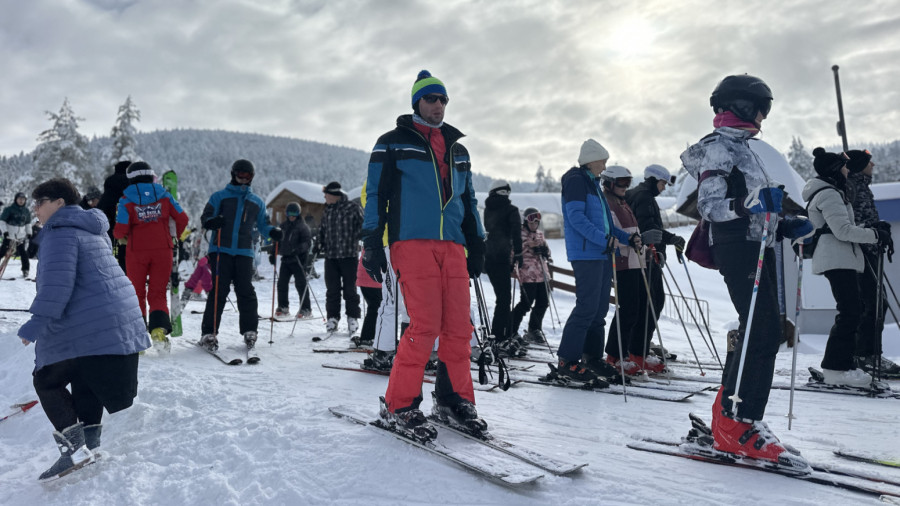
x=201, y=432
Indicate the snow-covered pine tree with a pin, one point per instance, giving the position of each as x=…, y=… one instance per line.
x=124, y=144
x=62, y=150
x=800, y=159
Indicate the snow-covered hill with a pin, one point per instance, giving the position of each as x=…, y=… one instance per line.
x=204, y=433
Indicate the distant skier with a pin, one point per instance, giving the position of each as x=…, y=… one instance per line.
x=293, y=249
x=15, y=224
x=735, y=195
x=871, y=325
x=143, y=220
x=502, y=253
x=200, y=281
x=338, y=238
x=839, y=257
x=533, y=278
x=589, y=234
x=232, y=214
x=420, y=186
x=85, y=323
x=113, y=188
x=91, y=199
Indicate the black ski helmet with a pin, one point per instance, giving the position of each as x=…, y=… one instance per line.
x=744, y=95
x=242, y=166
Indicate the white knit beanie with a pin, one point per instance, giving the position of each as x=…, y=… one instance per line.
x=592, y=151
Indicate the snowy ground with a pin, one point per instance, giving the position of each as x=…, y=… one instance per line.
x=204, y=433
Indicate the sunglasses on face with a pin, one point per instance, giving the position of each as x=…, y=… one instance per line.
x=434, y=98
x=533, y=217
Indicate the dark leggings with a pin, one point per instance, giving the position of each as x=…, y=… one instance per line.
x=373, y=302
x=62, y=407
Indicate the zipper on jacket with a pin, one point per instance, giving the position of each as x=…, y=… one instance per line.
x=437, y=177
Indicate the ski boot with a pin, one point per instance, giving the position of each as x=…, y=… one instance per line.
x=648, y=363
x=282, y=312
x=409, y=422
x=575, y=371
x=507, y=348
x=379, y=361
x=888, y=367
x=304, y=314
x=250, y=339
x=852, y=378
x=478, y=356
x=753, y=439
x=360, y=341
x=74, y=454
x=461, y=416
x=605, y=371
x=331, y=325
x=535, y=336
x=630, y=367
x=158, y=335
x=209, y=342
x=352, y=325
x=660, y=352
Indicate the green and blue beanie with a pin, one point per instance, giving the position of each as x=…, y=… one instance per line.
x=426, y=84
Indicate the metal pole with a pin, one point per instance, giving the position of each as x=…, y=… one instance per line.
x=841, y=125
x=274, y=280
x=796, y=335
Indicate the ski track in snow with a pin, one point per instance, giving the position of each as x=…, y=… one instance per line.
x=201, y=432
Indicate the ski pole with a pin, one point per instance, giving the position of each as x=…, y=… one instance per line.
x=502, y=369
x=550, y=295
x=642, y=262
x=274, y=279
x=712, y=341
x=891, y=288
x=879, y=311
x=735, y=397
x=311, y=292
x=681, y=319
x=512, y=307
x=796, y=334
x=691, y=313
x=547, y=289
x=611, y=251
x=216, y=288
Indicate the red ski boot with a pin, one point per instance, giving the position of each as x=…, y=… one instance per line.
x=648, y=363
x=754, y=439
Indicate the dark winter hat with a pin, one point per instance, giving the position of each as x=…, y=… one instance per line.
x=138, y=169
x=859, y=160
x=426, y=84
x=122, y=166
x=92, y=193
x=292, y=209
x=333, y=188
x=828, y=164
x=20, y=194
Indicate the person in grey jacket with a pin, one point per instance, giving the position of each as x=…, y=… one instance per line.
x=338, y=237
x=840, y=259
x=86, y=325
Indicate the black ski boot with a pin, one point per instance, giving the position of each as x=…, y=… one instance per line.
x=379, y=361
x=73, y=454
x=575, y=371
x=535, y=336
x=409, y=422
x=461, y=416
x=604, y=370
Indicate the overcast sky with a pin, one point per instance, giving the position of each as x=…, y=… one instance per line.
x=529, y=81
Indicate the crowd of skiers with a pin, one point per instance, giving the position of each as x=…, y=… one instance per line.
x=423, y=246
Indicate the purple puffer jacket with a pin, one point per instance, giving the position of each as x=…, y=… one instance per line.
x=85, y=305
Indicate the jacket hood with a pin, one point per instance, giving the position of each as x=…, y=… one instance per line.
x=496, y=201
x=144, y=193
x=92, y=220
x=812, y=186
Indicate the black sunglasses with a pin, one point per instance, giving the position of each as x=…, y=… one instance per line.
x=434, y=98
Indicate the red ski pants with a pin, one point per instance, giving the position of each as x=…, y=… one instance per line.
x=434, y=283
x=155, y=264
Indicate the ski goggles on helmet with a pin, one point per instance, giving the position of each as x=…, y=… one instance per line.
x=533, y=217
x=623, y=182
x=243, y=174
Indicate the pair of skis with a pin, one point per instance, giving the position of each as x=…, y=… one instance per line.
x=251, y=356
x=170, y=183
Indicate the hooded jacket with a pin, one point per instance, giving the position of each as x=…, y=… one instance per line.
x=294, y=244
x=534, y=268
x=837, y=250
x=501, y=224
x=144, y=215
x=642, y=201
x=85, y=305
x=244, y=213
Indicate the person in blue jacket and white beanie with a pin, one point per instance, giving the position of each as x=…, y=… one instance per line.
x=86, y=325
x=589, y=232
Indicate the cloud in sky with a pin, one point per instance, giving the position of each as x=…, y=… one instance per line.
x=528, y=80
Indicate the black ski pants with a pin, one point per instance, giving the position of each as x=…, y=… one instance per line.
x=289, y=268
x=533, y=298
x=871, y=324
x=737, y=264
x=657, y=295
x=630, y=318
x=498, y=272
x=237, y=269
x=96, y=381
x=842, y=337
x=340, y=279
x=373, y=303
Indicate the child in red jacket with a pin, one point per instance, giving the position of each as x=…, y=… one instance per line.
x=148, y=217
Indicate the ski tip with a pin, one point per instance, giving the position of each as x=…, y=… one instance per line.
x=253, y=360
x=236, y=361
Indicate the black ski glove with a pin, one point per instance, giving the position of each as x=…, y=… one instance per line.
x=374, y=262
x=518, y=261
x=214, y=223
x=678, y=242
x=272, y=258
x=276, y=234
x=475, y=256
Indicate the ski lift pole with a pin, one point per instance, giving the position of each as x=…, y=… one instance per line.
x=735, y=397
x=796, y=334
x=841, y=126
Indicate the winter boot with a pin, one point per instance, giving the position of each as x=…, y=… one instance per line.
x=25, y=273
x=462, y=415
x=888, y=367
x=250, y=339
x=379, y=361
x=160, y=340
x=304, y=314
x=852, y=378
x=648, y=363
x=575, y=370
x=409, y=421
x=754, y=439
x=92, y=436
x=73, y=453
x=282, y=311
x=352, y=325
x=630, y=367
x=535, y=336
x=331, y=325
x=209, y=342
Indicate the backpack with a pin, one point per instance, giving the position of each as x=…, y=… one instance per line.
x=810, y=249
